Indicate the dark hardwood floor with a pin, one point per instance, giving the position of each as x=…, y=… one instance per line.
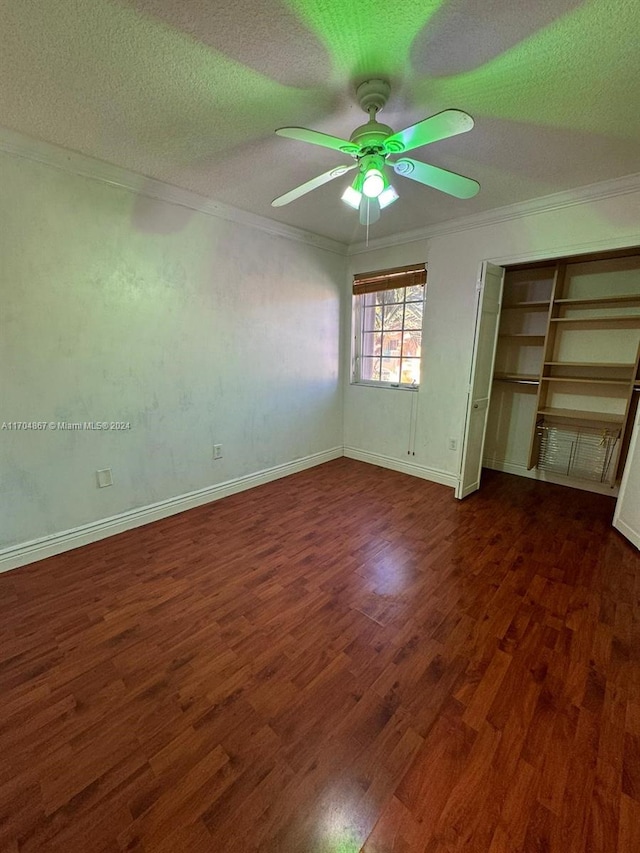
x=344, y=660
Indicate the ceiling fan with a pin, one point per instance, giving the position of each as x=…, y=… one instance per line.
x=375, y=146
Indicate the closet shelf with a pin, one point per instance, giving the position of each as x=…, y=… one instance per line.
x=520, y=378
x=541, y=304
x=612, y=322
x=599, y=300
x=587, y=380
x=592, y=364
x=578, y=415
x=520, y=337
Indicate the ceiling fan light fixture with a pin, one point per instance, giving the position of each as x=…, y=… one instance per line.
x=373, y=183
x=352, y=197
x=387, y=197
x=370, y=146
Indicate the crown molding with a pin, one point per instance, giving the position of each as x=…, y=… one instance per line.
x=18, y=144
x=556, y=201
x=567, y=250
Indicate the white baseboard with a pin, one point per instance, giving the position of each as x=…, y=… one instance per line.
x=547, y=477
x=57, y=543
x=631, y=534
x=433, y=474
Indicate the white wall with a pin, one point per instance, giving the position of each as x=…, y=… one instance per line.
x=116, y=307
x=377, y=420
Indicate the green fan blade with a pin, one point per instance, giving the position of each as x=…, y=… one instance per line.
x=303, y=134
x=369, y=210
x=292, y=195
x=440, y=126
x=439, y=179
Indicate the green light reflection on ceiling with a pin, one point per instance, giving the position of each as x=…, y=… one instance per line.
x=97, y=55
x=372, y=37
x=551, y=77
x=211, y=104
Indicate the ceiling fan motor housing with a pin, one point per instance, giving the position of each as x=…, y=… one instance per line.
x=371, y=136
x=373, y=94
x=367, y=162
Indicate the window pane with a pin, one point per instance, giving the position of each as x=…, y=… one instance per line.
x=372, y=319
x=372, y=343
x=410, y=371
x=392, y=343
x=415, y=293
x=370, y=369
x=393, y=317
x=373, y=298
x=413, y=315
x=411, y=344
x=395, y=295
x=390, y=370
x=391, y=335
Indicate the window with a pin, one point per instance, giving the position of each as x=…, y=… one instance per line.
x=387, y=322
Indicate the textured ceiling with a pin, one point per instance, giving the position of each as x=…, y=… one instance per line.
x=190, y=91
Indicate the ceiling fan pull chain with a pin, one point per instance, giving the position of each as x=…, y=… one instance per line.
x=368, y=216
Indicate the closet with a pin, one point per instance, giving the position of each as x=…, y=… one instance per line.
x=566, y=379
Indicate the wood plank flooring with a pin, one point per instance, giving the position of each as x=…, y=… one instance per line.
x=344, y=660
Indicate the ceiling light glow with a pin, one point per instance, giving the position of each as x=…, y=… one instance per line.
x=352, y=197
x=387, y=197
x=373, y=183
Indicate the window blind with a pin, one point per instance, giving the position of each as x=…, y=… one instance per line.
x=371, y=282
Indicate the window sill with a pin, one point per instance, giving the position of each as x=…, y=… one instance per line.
x=388, y=386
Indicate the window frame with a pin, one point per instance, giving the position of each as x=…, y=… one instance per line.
x=383, y=281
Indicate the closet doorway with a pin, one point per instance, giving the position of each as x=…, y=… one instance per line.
x=555, y=382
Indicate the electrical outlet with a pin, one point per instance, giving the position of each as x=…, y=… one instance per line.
x=104, y=478
x=217, y=451
x=453, y=444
